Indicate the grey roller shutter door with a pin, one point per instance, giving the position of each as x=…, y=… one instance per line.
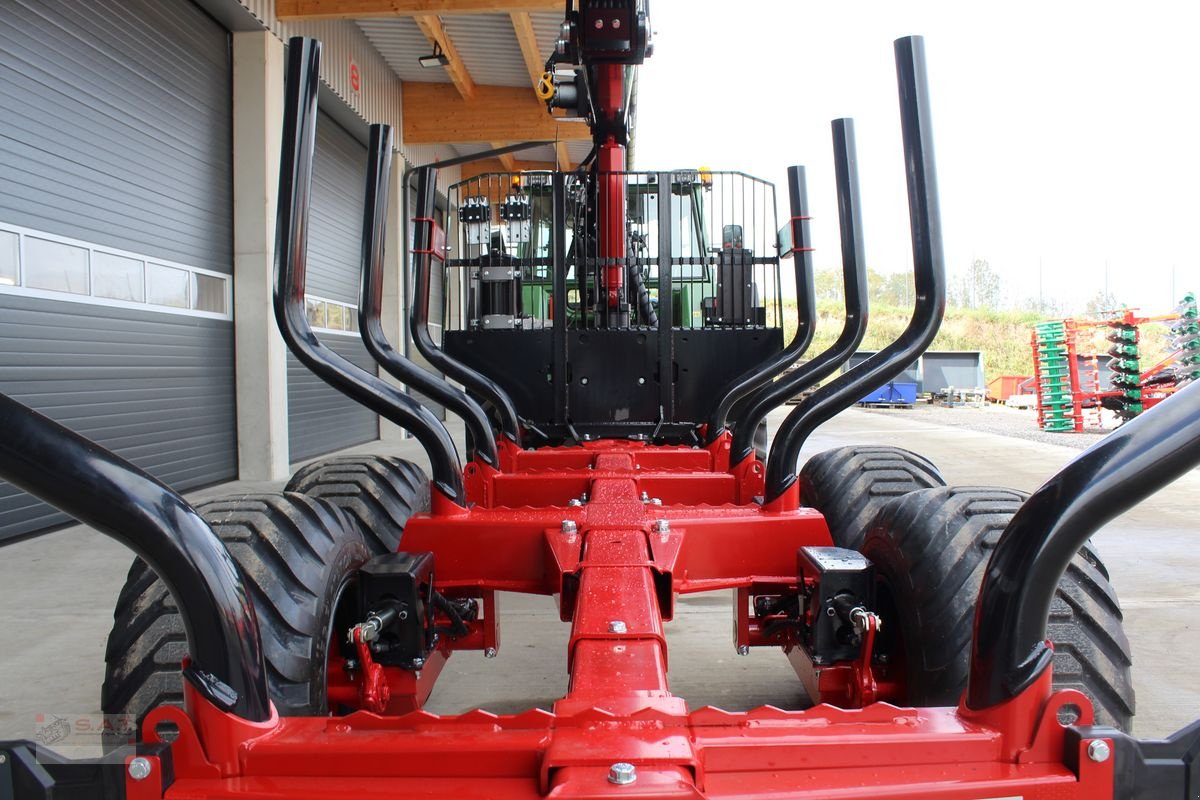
x=116, y=131
x=156, y=388
x=322, y=419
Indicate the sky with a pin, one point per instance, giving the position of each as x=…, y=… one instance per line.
x=1067, y=133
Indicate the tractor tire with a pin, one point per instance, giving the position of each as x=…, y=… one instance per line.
x=380, y=493
x=849, y=485
x=930, y=549
x=296, y=555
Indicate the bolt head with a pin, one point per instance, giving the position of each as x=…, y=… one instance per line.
x=656, y=501
x=622, y=773
x=743, y=650
x=569, y=526
x=1099, y=751
x=662, y=526
x=617, y=626
x=3, y=758
x=140, y=768
x=574, y=502
x=489, y=652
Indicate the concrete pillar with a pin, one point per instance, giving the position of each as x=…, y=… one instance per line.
x=261, y=356
x=394, y=314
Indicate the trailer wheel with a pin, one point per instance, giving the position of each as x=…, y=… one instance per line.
x=850, y=484
x=930, y=549
x=297, y=556
x=381, y=493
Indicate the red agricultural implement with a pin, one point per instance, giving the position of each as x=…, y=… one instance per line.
x=617, y=361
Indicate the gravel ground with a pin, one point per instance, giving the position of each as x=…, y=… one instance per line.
x=1015, y=422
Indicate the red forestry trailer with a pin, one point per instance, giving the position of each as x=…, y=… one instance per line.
x=615, y=364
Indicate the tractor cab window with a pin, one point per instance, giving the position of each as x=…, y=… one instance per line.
x=689, y=235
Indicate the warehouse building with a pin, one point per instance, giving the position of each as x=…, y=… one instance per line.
x=139, y=153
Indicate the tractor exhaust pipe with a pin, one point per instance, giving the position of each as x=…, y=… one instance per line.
x=928, y=268
x=295, y=179
x=100, y=489
x=370, y=306
x=1009, y=650
x=854, y=283
x=423, y=254
x=806, y=317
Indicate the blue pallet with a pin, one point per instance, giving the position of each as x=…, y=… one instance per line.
x=892, y=394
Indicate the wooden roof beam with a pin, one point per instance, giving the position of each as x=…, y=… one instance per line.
x=506, y=159
x=291, y=10
x=435, y=113
x=562, y=157
x=431, y=26
x=534, y=62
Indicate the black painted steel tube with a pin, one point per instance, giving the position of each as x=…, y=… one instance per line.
x=100, y=489
x=291, y=246
x=1009, y=650
x=929, y=276
x=479, y=428
x=854, y=283
x=477, y=382
x=806, y=313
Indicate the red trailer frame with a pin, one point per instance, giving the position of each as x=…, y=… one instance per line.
x=613, y=565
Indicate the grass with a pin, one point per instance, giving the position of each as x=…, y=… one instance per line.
x=1002, y=336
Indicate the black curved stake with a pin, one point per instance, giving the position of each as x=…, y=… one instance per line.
x=379, y=163
x=929, y=275
x=101, y=489
x=854, y=283
x=806, y=315
x=480, y=384
x=295, y=179
x=1009, y=650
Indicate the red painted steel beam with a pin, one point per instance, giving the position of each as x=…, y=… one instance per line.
x=879, y=752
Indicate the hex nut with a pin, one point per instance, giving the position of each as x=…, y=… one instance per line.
x=1099, y=751
x=617, y=626
x=622, y=773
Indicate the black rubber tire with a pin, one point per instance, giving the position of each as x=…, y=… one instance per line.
x=849, y=485
x=297, y=555
x=379, y=492
x=930, y=549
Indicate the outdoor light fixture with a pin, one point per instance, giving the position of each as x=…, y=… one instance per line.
x=435, y=59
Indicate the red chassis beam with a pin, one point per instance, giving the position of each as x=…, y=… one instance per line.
x=824, y=752
x=615, y=563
